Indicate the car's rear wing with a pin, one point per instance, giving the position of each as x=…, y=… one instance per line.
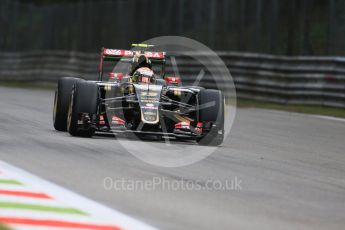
x=126, y=56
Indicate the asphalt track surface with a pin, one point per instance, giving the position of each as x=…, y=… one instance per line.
x=291, y=167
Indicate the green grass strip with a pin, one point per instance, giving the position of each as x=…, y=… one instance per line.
x=3, y=227
x=41, y=208
x=10, y=181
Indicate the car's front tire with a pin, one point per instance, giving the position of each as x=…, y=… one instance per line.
x=61, y=102
x=211, y=111
x=84, y=100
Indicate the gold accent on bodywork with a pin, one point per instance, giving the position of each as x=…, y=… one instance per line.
x=177, y=93
x=152, y=94
x=183, y=118
x=107, y=87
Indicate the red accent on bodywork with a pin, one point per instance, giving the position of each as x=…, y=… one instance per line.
x=170, y=80
x=155, y=55
x=101, y=120
x=117, y=121
x=182, y=125
x=198, y=127
x=115, y=76
x=129, y=53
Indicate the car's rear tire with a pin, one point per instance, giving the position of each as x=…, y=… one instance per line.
x=211, y=111
x=84, y=100
x=61, y=102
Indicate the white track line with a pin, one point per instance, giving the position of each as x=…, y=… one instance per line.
x=97, y=213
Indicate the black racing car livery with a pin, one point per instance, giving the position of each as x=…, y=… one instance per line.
x=139, y=100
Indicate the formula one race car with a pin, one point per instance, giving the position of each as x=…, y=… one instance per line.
x=140, y=100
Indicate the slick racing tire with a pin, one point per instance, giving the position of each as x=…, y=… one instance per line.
x=84, y=100
x=211, y=111
x=61, y=102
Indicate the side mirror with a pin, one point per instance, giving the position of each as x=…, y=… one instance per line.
x=172, y=80
x=115, y=76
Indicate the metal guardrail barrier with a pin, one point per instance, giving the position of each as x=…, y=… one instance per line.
x=282, y=79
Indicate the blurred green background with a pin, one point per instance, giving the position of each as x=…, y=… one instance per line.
x=286, y=27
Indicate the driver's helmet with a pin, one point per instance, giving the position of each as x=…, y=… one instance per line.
x=139, y=61
x=143, y=75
